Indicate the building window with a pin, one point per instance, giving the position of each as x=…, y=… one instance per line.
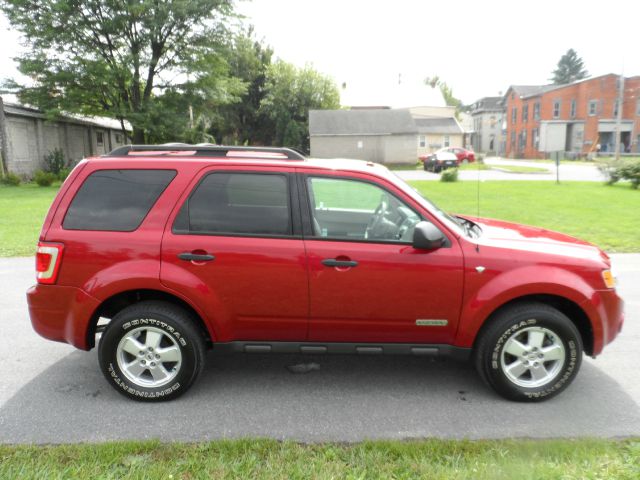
x=446, y=141
x=536, y=111
x=525, y=113
x=615, y=109
x=593, y=107
x=522, y=140
x=119, y=138
x=556, y=109
x=535, y=138
x=514, y=115
x=100, y=138
x=513, y=140
x=573, y=108
x=422, y=141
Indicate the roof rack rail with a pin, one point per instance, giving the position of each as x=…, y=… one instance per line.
x=208, y=150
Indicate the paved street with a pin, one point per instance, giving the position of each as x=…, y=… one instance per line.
x=51, y=393
x=568, y=172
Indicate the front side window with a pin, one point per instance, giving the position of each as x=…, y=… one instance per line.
x=116, y=200
x=446, y=141
x=573, y=109
x=345, y=209
x=229, y=203
x=536, y=111
x=593, y=107
x=556, y=109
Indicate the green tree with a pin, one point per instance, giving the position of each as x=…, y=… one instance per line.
x=118, y=58
x=570, y=69
x=446, y=91
x=241, y=122
x=290, y=93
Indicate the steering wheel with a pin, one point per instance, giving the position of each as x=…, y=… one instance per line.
x=377, y=218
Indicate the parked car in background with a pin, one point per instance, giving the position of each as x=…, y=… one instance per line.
x=462, y=154
x=438, y=161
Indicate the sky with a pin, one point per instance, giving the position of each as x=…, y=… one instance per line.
x=478, y=47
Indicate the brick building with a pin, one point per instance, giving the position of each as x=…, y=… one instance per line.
x=573, y=118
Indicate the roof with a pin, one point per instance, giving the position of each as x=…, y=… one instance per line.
x=447, y=126
x=377, y=122
x=531, y=90
x=17, y=109
x=360, y=122
x=489, y=104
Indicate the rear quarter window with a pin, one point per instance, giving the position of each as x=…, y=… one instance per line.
x=116, y=200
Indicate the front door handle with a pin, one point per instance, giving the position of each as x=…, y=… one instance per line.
x=195, y=257
x=332, y=262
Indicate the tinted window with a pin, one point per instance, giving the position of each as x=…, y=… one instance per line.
x=116, y=200
x=237, y=203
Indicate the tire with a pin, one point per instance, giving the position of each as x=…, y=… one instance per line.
x=508, y=352
x=151, y=351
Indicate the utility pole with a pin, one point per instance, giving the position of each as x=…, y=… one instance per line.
x=619, y=115
x=4, y=142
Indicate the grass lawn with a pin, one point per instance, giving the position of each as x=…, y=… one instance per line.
x=245, y=459
x=608, y=216
x=22, y=211
x=605, y=215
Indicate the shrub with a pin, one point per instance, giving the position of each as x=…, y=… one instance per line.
x=616, y=171
x=449, y=175
x=609, y=169
x=631, y=172
x=54, y=161
x=64, y=173
x=44, y=179
x=11, y=179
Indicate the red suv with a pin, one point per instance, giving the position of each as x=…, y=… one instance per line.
x=164, y=252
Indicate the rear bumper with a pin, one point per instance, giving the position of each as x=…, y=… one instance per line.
x=609, y=313
x=61, y=313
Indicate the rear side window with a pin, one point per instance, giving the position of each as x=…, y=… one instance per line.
x=237, y=204
x=116, y=200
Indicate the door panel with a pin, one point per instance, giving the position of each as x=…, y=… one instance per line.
x=236, y=249
x=370, y=284
x=254, y=289
x=383, y=297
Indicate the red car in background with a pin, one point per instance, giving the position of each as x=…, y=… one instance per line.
x=462, y=154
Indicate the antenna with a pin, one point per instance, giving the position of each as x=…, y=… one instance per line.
x=478, y=198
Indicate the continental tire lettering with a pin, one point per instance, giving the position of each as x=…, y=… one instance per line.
x=573, y=358
x=158, y=323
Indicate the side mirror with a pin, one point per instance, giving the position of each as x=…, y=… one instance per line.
x=427, y=236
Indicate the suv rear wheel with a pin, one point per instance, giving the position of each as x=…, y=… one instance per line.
x=151, y=351
x=529, y=352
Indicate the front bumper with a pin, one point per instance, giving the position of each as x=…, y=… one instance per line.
x=61, y=313
x=609, y=313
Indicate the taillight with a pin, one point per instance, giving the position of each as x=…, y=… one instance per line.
x=48, y=259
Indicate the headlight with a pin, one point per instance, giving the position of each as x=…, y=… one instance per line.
x=609, y=278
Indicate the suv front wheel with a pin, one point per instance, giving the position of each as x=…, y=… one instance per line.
x=529, y=352
x=151, y=351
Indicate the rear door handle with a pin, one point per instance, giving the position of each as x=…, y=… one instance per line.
x=195, y=257
x=332, y=262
